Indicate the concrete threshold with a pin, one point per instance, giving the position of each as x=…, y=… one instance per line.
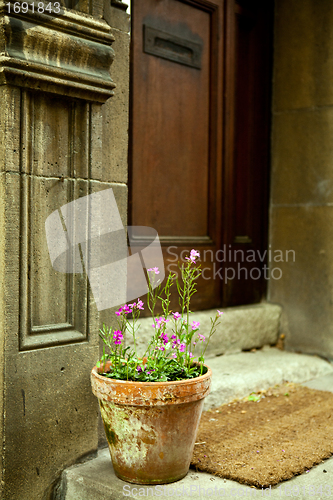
x=234, y=376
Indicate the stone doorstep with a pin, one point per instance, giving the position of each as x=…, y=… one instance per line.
x=237, y=375
x=234, y=376
x=241, y=328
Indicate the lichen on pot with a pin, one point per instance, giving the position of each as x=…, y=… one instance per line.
x=151, y=426
x=151, y=403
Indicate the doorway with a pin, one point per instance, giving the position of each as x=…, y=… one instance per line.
x=199, y=138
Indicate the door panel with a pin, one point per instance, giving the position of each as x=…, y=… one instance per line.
x=175, y=102
x=248, y=97
x=199, y=137
x=176, y=92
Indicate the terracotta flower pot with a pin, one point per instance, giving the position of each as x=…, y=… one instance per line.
x=151, y=426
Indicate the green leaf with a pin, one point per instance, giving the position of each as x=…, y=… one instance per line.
x=253, y=397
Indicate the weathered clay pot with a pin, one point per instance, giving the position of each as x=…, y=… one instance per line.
x=151, y=426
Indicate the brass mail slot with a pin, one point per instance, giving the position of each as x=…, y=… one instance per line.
x=174, y=48
x=242, y=239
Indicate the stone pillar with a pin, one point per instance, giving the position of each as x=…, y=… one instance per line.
x=59, y=142
x=301, y=214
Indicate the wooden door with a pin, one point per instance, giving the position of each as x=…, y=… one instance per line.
x=248, y=60
x=177, y=128
x=184, y=174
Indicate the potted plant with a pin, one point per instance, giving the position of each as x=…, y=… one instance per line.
x=151, y=404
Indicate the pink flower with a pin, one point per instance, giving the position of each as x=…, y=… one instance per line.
x=182, y=348
x=195, y=325
x=193, y=255
x=126, y=309
x=139, y=304
x=117, y=337
x=154, y=270
x=173, y=336
x=121, y=310
x=160, y=322
x=176, y=316
x=219, y=313
x=201, y=337
x=190, y=354
x=165, y=339
x=174, y=355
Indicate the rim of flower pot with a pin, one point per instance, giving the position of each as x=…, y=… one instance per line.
x=150, y=393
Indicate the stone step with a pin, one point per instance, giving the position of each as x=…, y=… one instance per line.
x=234, y=376
x=237, y=375
x=241, y=328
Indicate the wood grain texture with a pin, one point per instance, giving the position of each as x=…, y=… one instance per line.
x=199, y=155
x=176, y=132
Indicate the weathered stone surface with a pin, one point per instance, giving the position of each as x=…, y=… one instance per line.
x=2, y=309
x=73, y=57
x=301, y=180
x=41, y=386
x=51, y=293
x=51, y=154
x=96, y=480
x=108, y=315
x=233, y=376
x=238, y=375
x=120, y=193
x=324, y=383
x=116, y=110
x=240, y=328
x=120, y=4
x=303, y=54
x=51, y=416
x=55, y=136
x=303, y=156
x=117, y=17
x=305, y=289
x=10, y=128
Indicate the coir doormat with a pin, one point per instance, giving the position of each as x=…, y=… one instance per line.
x=267, y=438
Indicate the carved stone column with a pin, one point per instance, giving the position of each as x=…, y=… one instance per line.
x=54, y=79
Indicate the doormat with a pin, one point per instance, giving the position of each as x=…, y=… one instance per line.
x=268, y=437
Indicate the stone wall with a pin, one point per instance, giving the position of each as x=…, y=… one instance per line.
x=61, y=139
x=301, y=211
